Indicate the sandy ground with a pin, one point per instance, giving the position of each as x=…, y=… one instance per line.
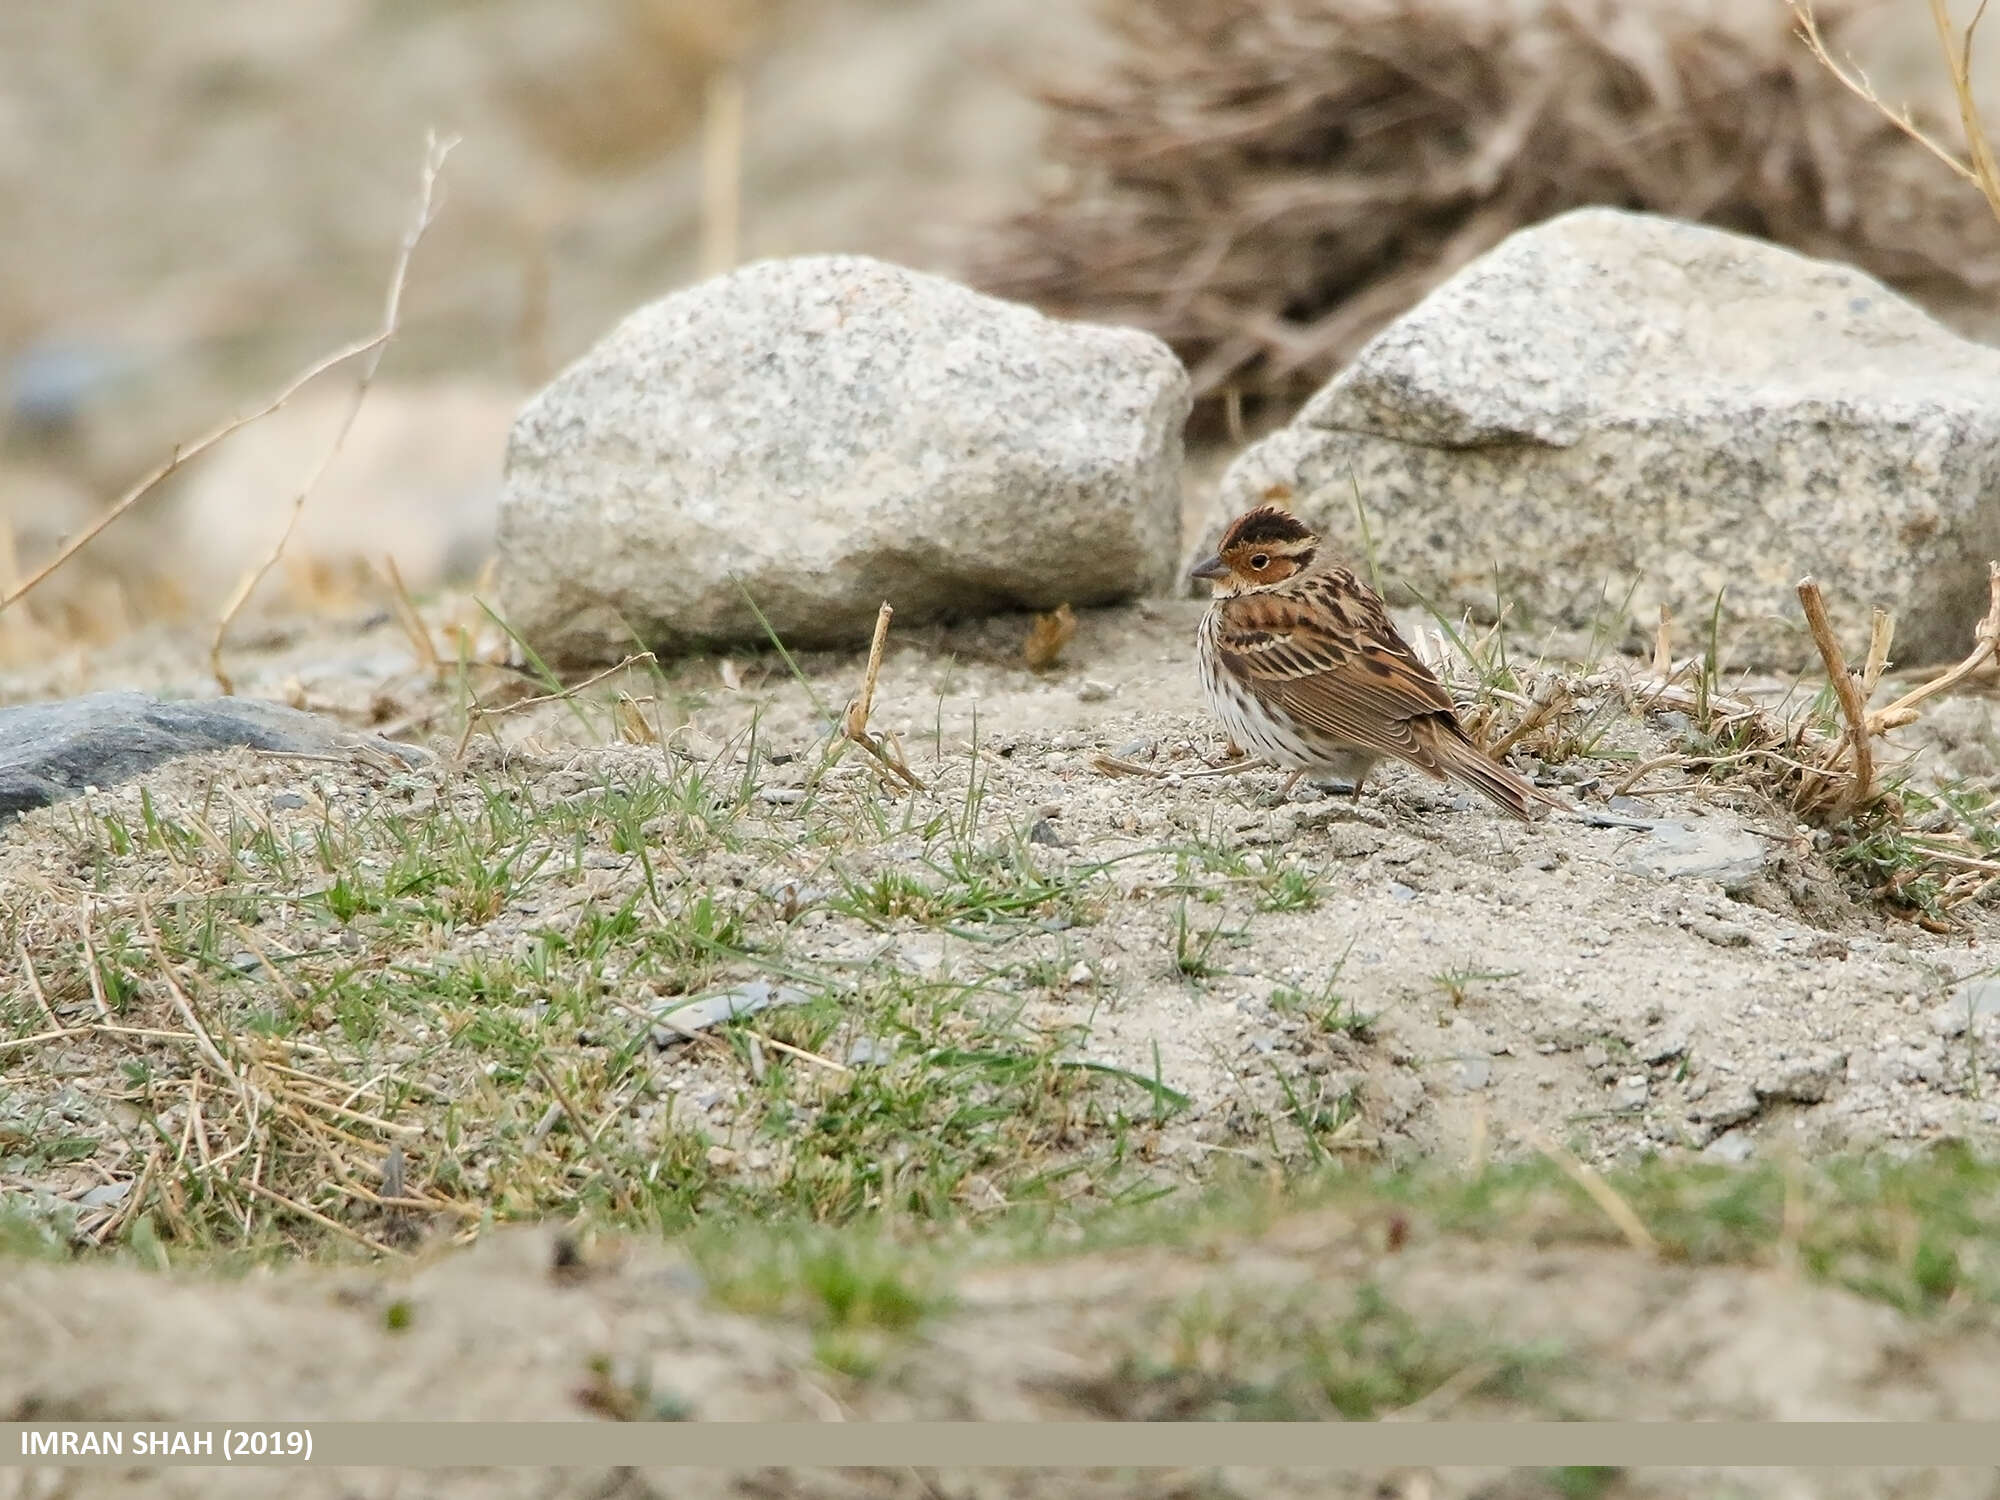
x=1518, y=981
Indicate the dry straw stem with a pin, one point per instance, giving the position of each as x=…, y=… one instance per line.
x=1981, y=170
x=1986, y=648
x=1827, y=778
x=436, y=150
x=1860, y=789
x=1616, y=1209
x=1111, y=765
x=722, y=168
x=1266, y=183
x=854, y=723
x=256, y=1128
x=584, y=1133
x=478, y=713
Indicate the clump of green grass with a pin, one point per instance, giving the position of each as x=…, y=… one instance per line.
x=1194, y=947
x=1909, y=1232
x=1299, y=1358
x=460, y=972
x=1331, y=1010
x=1455, y=983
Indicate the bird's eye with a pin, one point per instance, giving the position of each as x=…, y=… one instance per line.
x=1261, y=561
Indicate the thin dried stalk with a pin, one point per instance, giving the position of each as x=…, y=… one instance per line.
x=1616, y=1209
x=1860, y=790
x=1986, y=648
x=854, y=723
x=611, y=1178
x=435, y=152
x=722, y=169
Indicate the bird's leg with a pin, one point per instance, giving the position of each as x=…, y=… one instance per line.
x=1290, y=782
x=1354, y=791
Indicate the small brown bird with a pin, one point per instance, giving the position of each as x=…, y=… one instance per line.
x=1302, y=665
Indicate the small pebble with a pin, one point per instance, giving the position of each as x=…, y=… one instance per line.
x=1732, y=1146
x=868, y=1051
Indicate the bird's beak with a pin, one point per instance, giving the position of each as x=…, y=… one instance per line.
x=1211, y=568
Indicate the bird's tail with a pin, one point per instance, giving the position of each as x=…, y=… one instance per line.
x=1508, y=790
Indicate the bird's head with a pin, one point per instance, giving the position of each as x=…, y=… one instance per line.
x=1262, y=547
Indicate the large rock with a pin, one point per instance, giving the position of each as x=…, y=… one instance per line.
x=50, y=751
x=1612, y=397
x=829, y=432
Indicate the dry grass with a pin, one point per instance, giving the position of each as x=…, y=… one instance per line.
x=1266, y=185
x=1816, y=754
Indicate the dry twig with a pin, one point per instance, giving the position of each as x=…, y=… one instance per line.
x=435, y=152
x=1860, y=789
x=854, y=723
x=1986, y=648
x=1616, y=1209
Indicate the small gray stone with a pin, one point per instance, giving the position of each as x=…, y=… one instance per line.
x=1803, y=1081
x=1661, y=1047
x=1473, y=1073
x=1400, y=892
x=1949, y=1020
x=1629, y=1095
x=1094, y=692
x=288, y=802
x=1728, y=1104
x=1978, y=996
x=105, y=1194
x=50, y=751
x=682, y=1017
x=1708, y=850
x=869, y=1052
x=1722, y=934
x=1732, y=1146
x=826, y=432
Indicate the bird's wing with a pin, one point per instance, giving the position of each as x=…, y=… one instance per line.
x=1324, y=652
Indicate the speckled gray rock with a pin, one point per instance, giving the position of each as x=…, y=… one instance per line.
x=1609, y=397
x=1706, y=850
x=833, y=431
x=49, y=751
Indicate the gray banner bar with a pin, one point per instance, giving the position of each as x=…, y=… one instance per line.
x=747, y=1445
